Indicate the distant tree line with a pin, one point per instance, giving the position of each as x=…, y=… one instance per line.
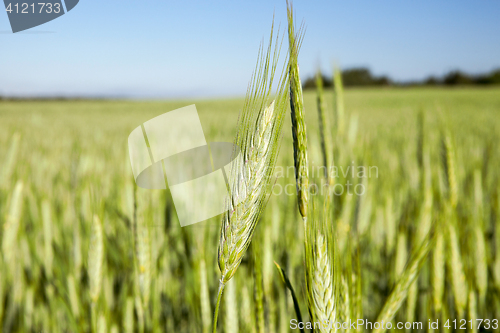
x=363, y=77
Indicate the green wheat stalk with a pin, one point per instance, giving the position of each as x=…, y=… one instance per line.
x=258, y=138
x=297, y=116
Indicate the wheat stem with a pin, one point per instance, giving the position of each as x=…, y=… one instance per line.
x=217, y=305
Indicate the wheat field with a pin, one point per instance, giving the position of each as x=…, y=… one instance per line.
x=85, y=250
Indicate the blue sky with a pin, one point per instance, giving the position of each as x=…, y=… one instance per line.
x=165, y=49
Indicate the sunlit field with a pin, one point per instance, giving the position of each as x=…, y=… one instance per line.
x=434, y=161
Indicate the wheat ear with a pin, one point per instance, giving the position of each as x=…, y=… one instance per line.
x=320, y=281
x=258, y=138
x=297, y=116
x=322, y=271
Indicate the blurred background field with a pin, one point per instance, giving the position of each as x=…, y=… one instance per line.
x=468, y=109
x=71, y=159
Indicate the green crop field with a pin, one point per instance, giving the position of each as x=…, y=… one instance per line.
x=81, y=244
